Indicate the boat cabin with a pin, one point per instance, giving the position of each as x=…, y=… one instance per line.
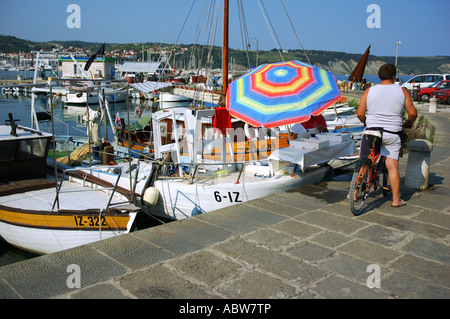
x=23, y=152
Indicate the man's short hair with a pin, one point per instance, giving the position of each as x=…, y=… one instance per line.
x=387, y=71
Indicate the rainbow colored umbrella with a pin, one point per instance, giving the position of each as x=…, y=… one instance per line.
x=281, y=93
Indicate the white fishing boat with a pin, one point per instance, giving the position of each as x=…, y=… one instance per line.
x=45, y=215
x=337, y=110
x=55, y=87
x=198, y=172
x=169, y=97
x=81, y=98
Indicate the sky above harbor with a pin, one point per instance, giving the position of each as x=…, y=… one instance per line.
x=348, y=26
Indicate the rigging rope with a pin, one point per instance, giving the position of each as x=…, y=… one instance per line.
x=185, y=20
x=304, y=51
x=270, y=26
x=167, y=29
x=244, y=32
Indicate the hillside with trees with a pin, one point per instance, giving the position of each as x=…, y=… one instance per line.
x=189, y=55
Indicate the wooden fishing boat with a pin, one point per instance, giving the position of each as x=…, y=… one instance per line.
x=44, y=215
x=255, y=141
x=195, y=172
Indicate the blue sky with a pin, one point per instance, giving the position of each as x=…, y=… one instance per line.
x=422, y=26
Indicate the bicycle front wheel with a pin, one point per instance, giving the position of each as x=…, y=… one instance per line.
x=359, y=190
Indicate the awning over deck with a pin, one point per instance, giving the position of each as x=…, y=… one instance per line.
x=150, y=86
x=140, y=67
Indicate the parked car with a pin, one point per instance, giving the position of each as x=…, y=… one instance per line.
x=424, y=80
x=442, y=96
x=426, y=92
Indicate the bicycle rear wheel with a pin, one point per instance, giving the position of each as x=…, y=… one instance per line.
x=359, y=190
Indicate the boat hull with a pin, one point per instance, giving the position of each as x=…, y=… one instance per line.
x=80, y=98
x=181, y=199
x=169, y=97
x=45, y=233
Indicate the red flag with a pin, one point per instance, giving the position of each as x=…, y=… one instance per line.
x=221, y=120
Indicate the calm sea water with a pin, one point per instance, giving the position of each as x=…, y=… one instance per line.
x=26, y=75
x=370, y=78
x=67, y=118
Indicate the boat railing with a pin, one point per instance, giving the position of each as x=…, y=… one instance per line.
x=92, y=178
x=194, y=167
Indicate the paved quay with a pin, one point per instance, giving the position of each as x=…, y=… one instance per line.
x=304, y=244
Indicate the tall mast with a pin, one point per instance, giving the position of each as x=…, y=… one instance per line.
x=225, y=48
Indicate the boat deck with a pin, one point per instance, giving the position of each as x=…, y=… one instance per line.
x=43, y=196
x=22, y=186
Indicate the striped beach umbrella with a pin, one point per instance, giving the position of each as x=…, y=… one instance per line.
x=281, y=93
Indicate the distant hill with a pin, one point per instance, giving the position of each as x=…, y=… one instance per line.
x=336, y=62
x=10, y=44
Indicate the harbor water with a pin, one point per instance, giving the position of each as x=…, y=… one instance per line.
x=370, y=78
x=68, y=119
x=24, y=75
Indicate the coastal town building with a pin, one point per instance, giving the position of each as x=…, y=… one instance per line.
x=101, y=68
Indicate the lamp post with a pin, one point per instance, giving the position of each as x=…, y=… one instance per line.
x=396, y=52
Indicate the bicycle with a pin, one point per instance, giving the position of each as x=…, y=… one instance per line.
x=365, y=178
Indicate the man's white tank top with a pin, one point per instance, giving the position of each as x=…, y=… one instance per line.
x=385, y=105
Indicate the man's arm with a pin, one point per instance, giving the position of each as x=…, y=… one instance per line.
x=362, y=108
x=410, y=110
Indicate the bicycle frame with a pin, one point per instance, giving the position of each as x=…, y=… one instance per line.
x=365, y=178
x=374, y=168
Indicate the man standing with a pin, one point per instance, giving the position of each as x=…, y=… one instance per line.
x=382, y=106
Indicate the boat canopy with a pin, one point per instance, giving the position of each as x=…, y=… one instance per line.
x=150, y=86
x=141, y=124
x=140, y=67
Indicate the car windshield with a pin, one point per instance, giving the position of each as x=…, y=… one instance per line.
x=434, y=84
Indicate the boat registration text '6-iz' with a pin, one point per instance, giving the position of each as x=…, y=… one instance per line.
x=233, y=197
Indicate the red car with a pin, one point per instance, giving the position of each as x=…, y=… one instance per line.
x=426, y=92
x=443, y=96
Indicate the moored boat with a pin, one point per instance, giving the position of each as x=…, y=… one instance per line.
x=194, y=171
x=43, y=214
x=81, y=98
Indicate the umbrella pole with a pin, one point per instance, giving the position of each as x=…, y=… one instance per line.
x=289, y=136
x=225, y=48
x=290, y=147
x=224, y=154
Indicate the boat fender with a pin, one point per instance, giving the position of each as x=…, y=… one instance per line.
x=151, y=196
x=249, y=131
x=196, y=211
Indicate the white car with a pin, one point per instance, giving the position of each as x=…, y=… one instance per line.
x=424, y=80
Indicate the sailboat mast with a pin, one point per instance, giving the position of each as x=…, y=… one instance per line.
x=225, y=48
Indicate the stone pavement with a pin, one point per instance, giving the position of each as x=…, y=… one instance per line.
x=300, y=244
